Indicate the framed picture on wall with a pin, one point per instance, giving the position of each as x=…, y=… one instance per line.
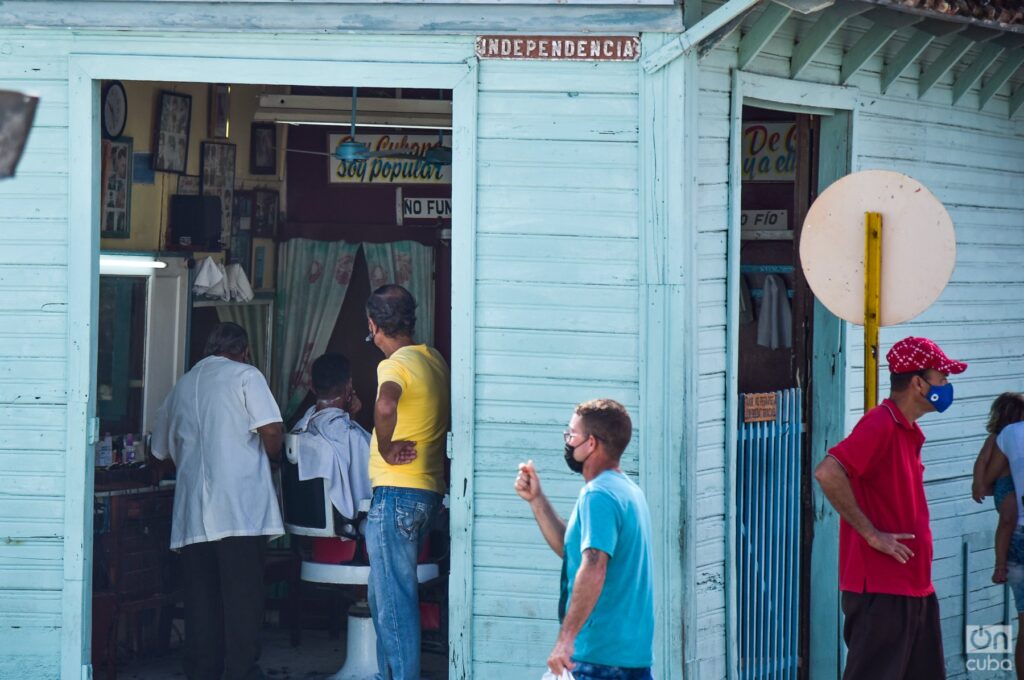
x=217, y=178
x=263, y=254
x=241, y=251
x=241, y=216
x=263, y=149
x=173, y=121
x=264, y=212
x=116, y=188
x=220, y=110
x=188, y=185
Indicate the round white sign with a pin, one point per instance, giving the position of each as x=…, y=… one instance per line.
x=918, y=245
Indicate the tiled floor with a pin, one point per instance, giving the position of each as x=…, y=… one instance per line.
x=317, y=657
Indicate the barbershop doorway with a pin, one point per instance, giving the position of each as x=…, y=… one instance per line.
x=233, y=203
x=775, y=383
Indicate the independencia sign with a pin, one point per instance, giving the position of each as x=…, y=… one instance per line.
x=385, y=170
x=557, y=47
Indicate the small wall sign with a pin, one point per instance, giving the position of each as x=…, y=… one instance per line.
x=769, y=152
x=427, y=208
x=559, y=47
x=759, y=407
x=764, y=219
x=404, y=167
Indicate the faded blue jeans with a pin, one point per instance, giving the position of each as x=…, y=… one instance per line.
x=398, y=521
x=593, y=671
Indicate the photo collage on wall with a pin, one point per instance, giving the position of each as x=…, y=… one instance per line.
x=217, y=178
x=116, y=188
x=247, y=213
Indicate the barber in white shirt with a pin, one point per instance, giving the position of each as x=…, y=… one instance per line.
x=220, y=425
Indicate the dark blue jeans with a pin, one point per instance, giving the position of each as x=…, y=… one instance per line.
x=396, y=525
x=593, y=671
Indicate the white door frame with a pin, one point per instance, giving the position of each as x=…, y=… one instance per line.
x=839, y=104
x=85, y=72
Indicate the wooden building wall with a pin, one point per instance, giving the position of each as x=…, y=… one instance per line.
x=974, y=163
x=557, y=319
x=556, y=309
x=33, y=367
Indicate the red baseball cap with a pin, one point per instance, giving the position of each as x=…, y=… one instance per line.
x=919, y=354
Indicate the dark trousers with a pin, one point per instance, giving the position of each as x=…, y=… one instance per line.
x=223, y=583
x=892, y=637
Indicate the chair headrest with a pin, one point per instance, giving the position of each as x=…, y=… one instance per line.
x=291, y=448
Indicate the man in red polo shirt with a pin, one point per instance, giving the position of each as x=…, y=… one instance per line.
x=875, y=480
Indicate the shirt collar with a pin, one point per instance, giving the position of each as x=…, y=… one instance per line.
x=897, y=414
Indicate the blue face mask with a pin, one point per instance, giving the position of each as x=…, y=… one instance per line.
x=940, y=396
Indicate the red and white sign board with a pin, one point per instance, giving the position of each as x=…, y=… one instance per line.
x=559, y=47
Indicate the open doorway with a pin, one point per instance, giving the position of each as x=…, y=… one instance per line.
x=245, y=182
x=775, y=518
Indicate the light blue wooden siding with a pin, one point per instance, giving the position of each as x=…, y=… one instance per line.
x=410, y=17
x=33, y=401
x=556, y=313
x=713, y=200
x=557, y=316
x=974, y=163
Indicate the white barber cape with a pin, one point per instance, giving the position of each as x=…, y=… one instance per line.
x=334, y=447
x=207, y=425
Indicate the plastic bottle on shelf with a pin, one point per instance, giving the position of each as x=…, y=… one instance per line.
x=105, y=451
x=128, y=454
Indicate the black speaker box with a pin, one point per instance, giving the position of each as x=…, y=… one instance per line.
x=195, y=221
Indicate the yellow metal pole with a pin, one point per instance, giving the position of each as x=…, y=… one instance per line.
x=872, y=305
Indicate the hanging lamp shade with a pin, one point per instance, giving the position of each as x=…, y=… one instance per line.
x=350, y=150
x=17, y=112
x=438, y=155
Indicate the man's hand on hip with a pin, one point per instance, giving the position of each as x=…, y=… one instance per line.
x=891, y=546
x=399, y=453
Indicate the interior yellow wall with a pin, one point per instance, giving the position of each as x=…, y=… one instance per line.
x=149, y=205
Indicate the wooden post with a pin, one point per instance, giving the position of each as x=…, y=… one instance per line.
x=872, y=305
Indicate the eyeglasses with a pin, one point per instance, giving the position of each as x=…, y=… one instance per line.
x=569, y=434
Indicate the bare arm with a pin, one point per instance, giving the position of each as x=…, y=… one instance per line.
x=978, y=488
x=1004, y=534
x=551, y=525
x=836, y=485
x=998, y=466
x=586, y=588
x=272, y=436
x=385, y=418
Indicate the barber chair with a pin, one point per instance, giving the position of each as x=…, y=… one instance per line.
x=308, y=511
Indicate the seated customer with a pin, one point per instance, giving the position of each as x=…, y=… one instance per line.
x=331, y=444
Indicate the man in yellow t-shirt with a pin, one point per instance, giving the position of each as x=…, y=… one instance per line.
x=407, y=450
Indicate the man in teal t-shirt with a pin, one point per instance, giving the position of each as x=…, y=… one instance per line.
x=608, y=627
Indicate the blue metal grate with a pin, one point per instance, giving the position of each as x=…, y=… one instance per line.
x=768, y=536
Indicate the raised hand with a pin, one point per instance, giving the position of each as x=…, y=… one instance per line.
x=528, y=482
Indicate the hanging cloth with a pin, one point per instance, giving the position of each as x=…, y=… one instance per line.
x=314, y=279
x=211, y=280
x=775, y=324
x=411, y=265
x=746, y=304
x=238, y=284
x=337, y=449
